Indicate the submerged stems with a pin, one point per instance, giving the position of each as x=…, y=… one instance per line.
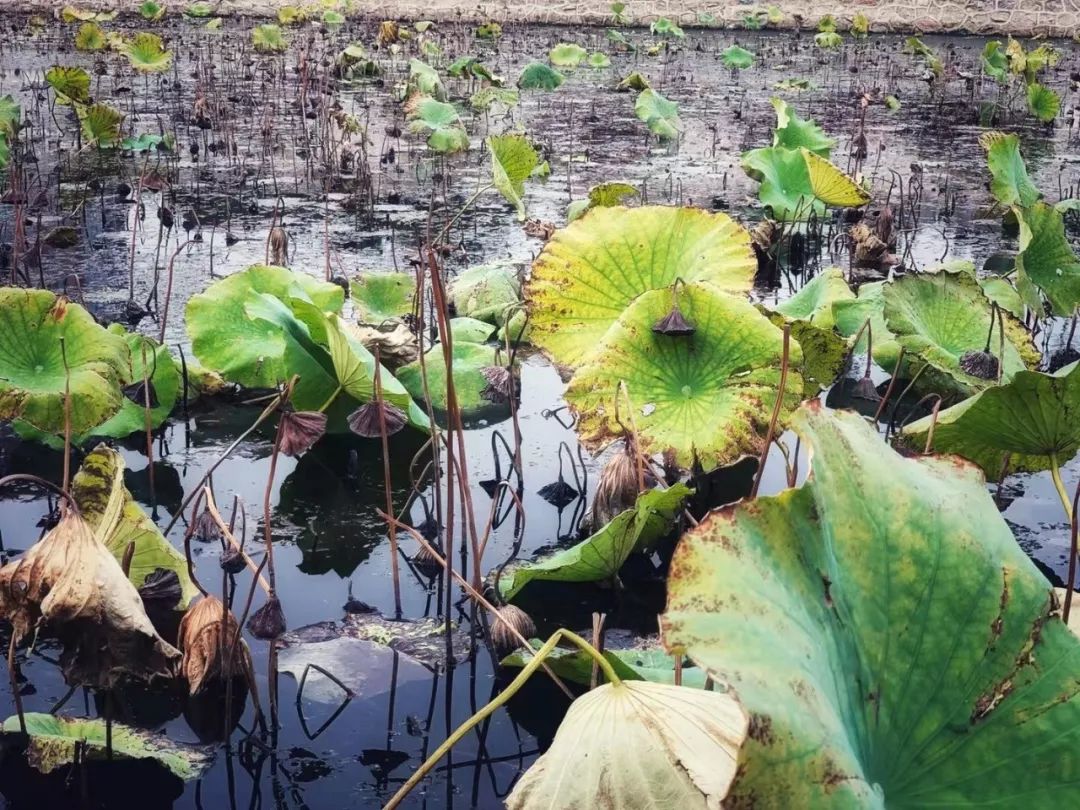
x=390, y=527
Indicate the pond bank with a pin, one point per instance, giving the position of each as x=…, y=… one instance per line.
x=1054, y=18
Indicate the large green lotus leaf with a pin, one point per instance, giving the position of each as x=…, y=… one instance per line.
x=593, y=268
x=53, y=740
x=147, y=53
x=708, y=396
x=1046, y=259
x=381, y=296
x=488, y=292
x=469, y=381
x=1010, y=183
x=850, y=315
x=939, y=317
x=814, y=302
x=32, y=376
x=318, y=384
x=71, y=84
x=117, y=521
x=164, y=377
x=1034, y=420
x=538, y=76
x=890, y=641
x=650, y=664
x=793, y=132
x=100, y=125
x=599, y=557
x=441, y=120
x=637, y=744
x=243, y=350
x=513, y=160
x=567, y=54
x=470, y=330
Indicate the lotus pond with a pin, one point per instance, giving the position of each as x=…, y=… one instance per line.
x=733, y=371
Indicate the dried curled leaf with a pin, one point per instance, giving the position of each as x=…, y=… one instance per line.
x=206, y=637
x=71, y=587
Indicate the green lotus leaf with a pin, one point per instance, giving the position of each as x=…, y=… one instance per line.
x=488, y=292
x=151, y=11
x=71, y=84
x=147, y=53
x=489, y=30
x=707, y=396
x=53, y=742
x=441, y=120
x=824, y=352
x=469, y=360
x=665, y=27
x=331, y=17
x=794, y=85
x=607, y=195
x=5, y=151
x=424, y=79
x=1046, y=260
x=199, y=9
x=470, y=330
x=100, y=125
x=513, y=160
x=994, y=62
x=243, y=351
x=658, y=113
x=118, y=521
x=89, y=37
x=10, y=116
x=793, y=132
x=1031, y=420
x=1043, y=103
x=737, y=58
x=32, y=375
x=211, y=25
x=538, y=76
x=599, y=60
x=164, y=377
x=378, y=297
x=850, y=315
x=814, y=302
x=1010, y=183
x=599, y=557
x=268, y=38
x=648, y=664
x=592, y=269
x=147, y=141
x=70, y=14
x=1004, y=294
x=633, y=81
x=890, y=641
x=567, y=54
x=797, y=183
x=939, y=317
x=291, y=15
x=486, y=97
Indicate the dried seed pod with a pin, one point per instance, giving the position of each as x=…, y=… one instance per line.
x=364, y=421
x=69, y=586
x=206, y=638
x=883, y=228
x=502, y=636
x=278, y=246
x=160, y=590
x=426, y=561
x=674, y=324
x=865, y=389
x=501, y=384
x=268, y=621
x=206, y=528
x=300, y=430
x=983, y=365
x=617, y=489
x=232, y=561
x=137, y=393
x=559, y=494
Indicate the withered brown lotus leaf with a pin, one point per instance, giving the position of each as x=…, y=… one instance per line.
x=70, y=587
x=300, y=430
x=206, y=637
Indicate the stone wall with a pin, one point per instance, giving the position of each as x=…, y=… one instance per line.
x=1057, y=18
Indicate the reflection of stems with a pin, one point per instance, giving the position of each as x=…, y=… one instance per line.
x=467, y=205
x=504, y=696
x=391, y=528
x=776, y=411
x=266, y=414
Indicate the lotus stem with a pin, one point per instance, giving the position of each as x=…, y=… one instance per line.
x=147, y=422
x=49, y=485
x=933, y=425
x=473, y=593
x=211, y=507
x=908, y=387
x=775, y=413
x=598, y=643
x=390, y=527
x=889, y=389
x=168, y=291
x=1059, y=485
x=266, y=414
x=67, y=416
x=1072, y=555
x=15, y=684
x=500, y=699
x=632, y=432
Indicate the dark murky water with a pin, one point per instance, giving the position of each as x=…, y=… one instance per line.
x=325, y=528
